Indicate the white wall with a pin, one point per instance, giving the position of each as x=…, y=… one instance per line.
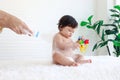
x=42, y=16
x=117, y=2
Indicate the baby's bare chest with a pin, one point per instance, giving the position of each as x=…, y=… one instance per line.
x=67, y=41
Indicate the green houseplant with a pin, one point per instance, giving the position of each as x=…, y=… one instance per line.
x=104, y=30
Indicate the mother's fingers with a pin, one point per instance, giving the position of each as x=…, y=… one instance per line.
x=27, y=29
x=16, y=30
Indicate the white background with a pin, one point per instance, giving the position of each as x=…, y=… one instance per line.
x=43, y=16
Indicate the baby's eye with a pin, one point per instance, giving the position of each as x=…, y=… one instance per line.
x=71, y=31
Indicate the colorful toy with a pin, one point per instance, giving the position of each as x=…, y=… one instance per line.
x=83, y=43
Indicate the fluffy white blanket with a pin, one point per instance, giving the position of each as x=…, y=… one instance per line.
x=101, y=68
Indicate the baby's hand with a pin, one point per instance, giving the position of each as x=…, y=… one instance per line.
x=75, y=45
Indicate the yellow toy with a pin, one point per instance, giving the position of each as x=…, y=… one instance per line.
x=83, y=43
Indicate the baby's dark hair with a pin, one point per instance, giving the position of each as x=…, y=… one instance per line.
x=67, y=20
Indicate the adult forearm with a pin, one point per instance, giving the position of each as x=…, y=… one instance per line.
x=3, y=18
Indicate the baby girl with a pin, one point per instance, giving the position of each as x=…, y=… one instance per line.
x=63, y=46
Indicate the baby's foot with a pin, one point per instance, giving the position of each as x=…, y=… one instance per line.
x=89, y=61
x=85, y=61
x=74, y=64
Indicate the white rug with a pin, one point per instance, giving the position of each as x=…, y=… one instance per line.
x=101, y=68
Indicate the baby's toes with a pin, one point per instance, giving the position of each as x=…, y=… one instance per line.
x=90, y=61
x=74, y=64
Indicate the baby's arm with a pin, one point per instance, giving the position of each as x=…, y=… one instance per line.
x=62, y=43
x=75, y=45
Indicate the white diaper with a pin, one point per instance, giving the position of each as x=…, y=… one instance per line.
x=71, y=59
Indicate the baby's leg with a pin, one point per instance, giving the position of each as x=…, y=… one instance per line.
x=63, y=60
x=80, y=59
x=84, y=61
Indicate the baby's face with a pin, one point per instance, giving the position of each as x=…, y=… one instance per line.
x=67, y=31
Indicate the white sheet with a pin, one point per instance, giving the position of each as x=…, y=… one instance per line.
x=101, y=68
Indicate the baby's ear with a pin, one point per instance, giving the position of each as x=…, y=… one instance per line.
x=60, y=28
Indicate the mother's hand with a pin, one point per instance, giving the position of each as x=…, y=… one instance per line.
x=15, y=24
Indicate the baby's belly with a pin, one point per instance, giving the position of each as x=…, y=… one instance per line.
x=67, y=53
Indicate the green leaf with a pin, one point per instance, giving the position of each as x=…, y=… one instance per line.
x=118, y=35
x=118, y=54
x=103, y=35
x=89, y=26
x=108, y=32
x=83, y=23
x=100, y=23
x=103, y=43
x=113, y=10
x=96, y=24
x=117, y=7
x=117, y=50
x=113, y=31
x=117, y=21
x=115, y=15
x=95, y=47
x=89, y=19
x=116, y=43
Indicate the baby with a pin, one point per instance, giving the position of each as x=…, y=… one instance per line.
x=63, y=46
